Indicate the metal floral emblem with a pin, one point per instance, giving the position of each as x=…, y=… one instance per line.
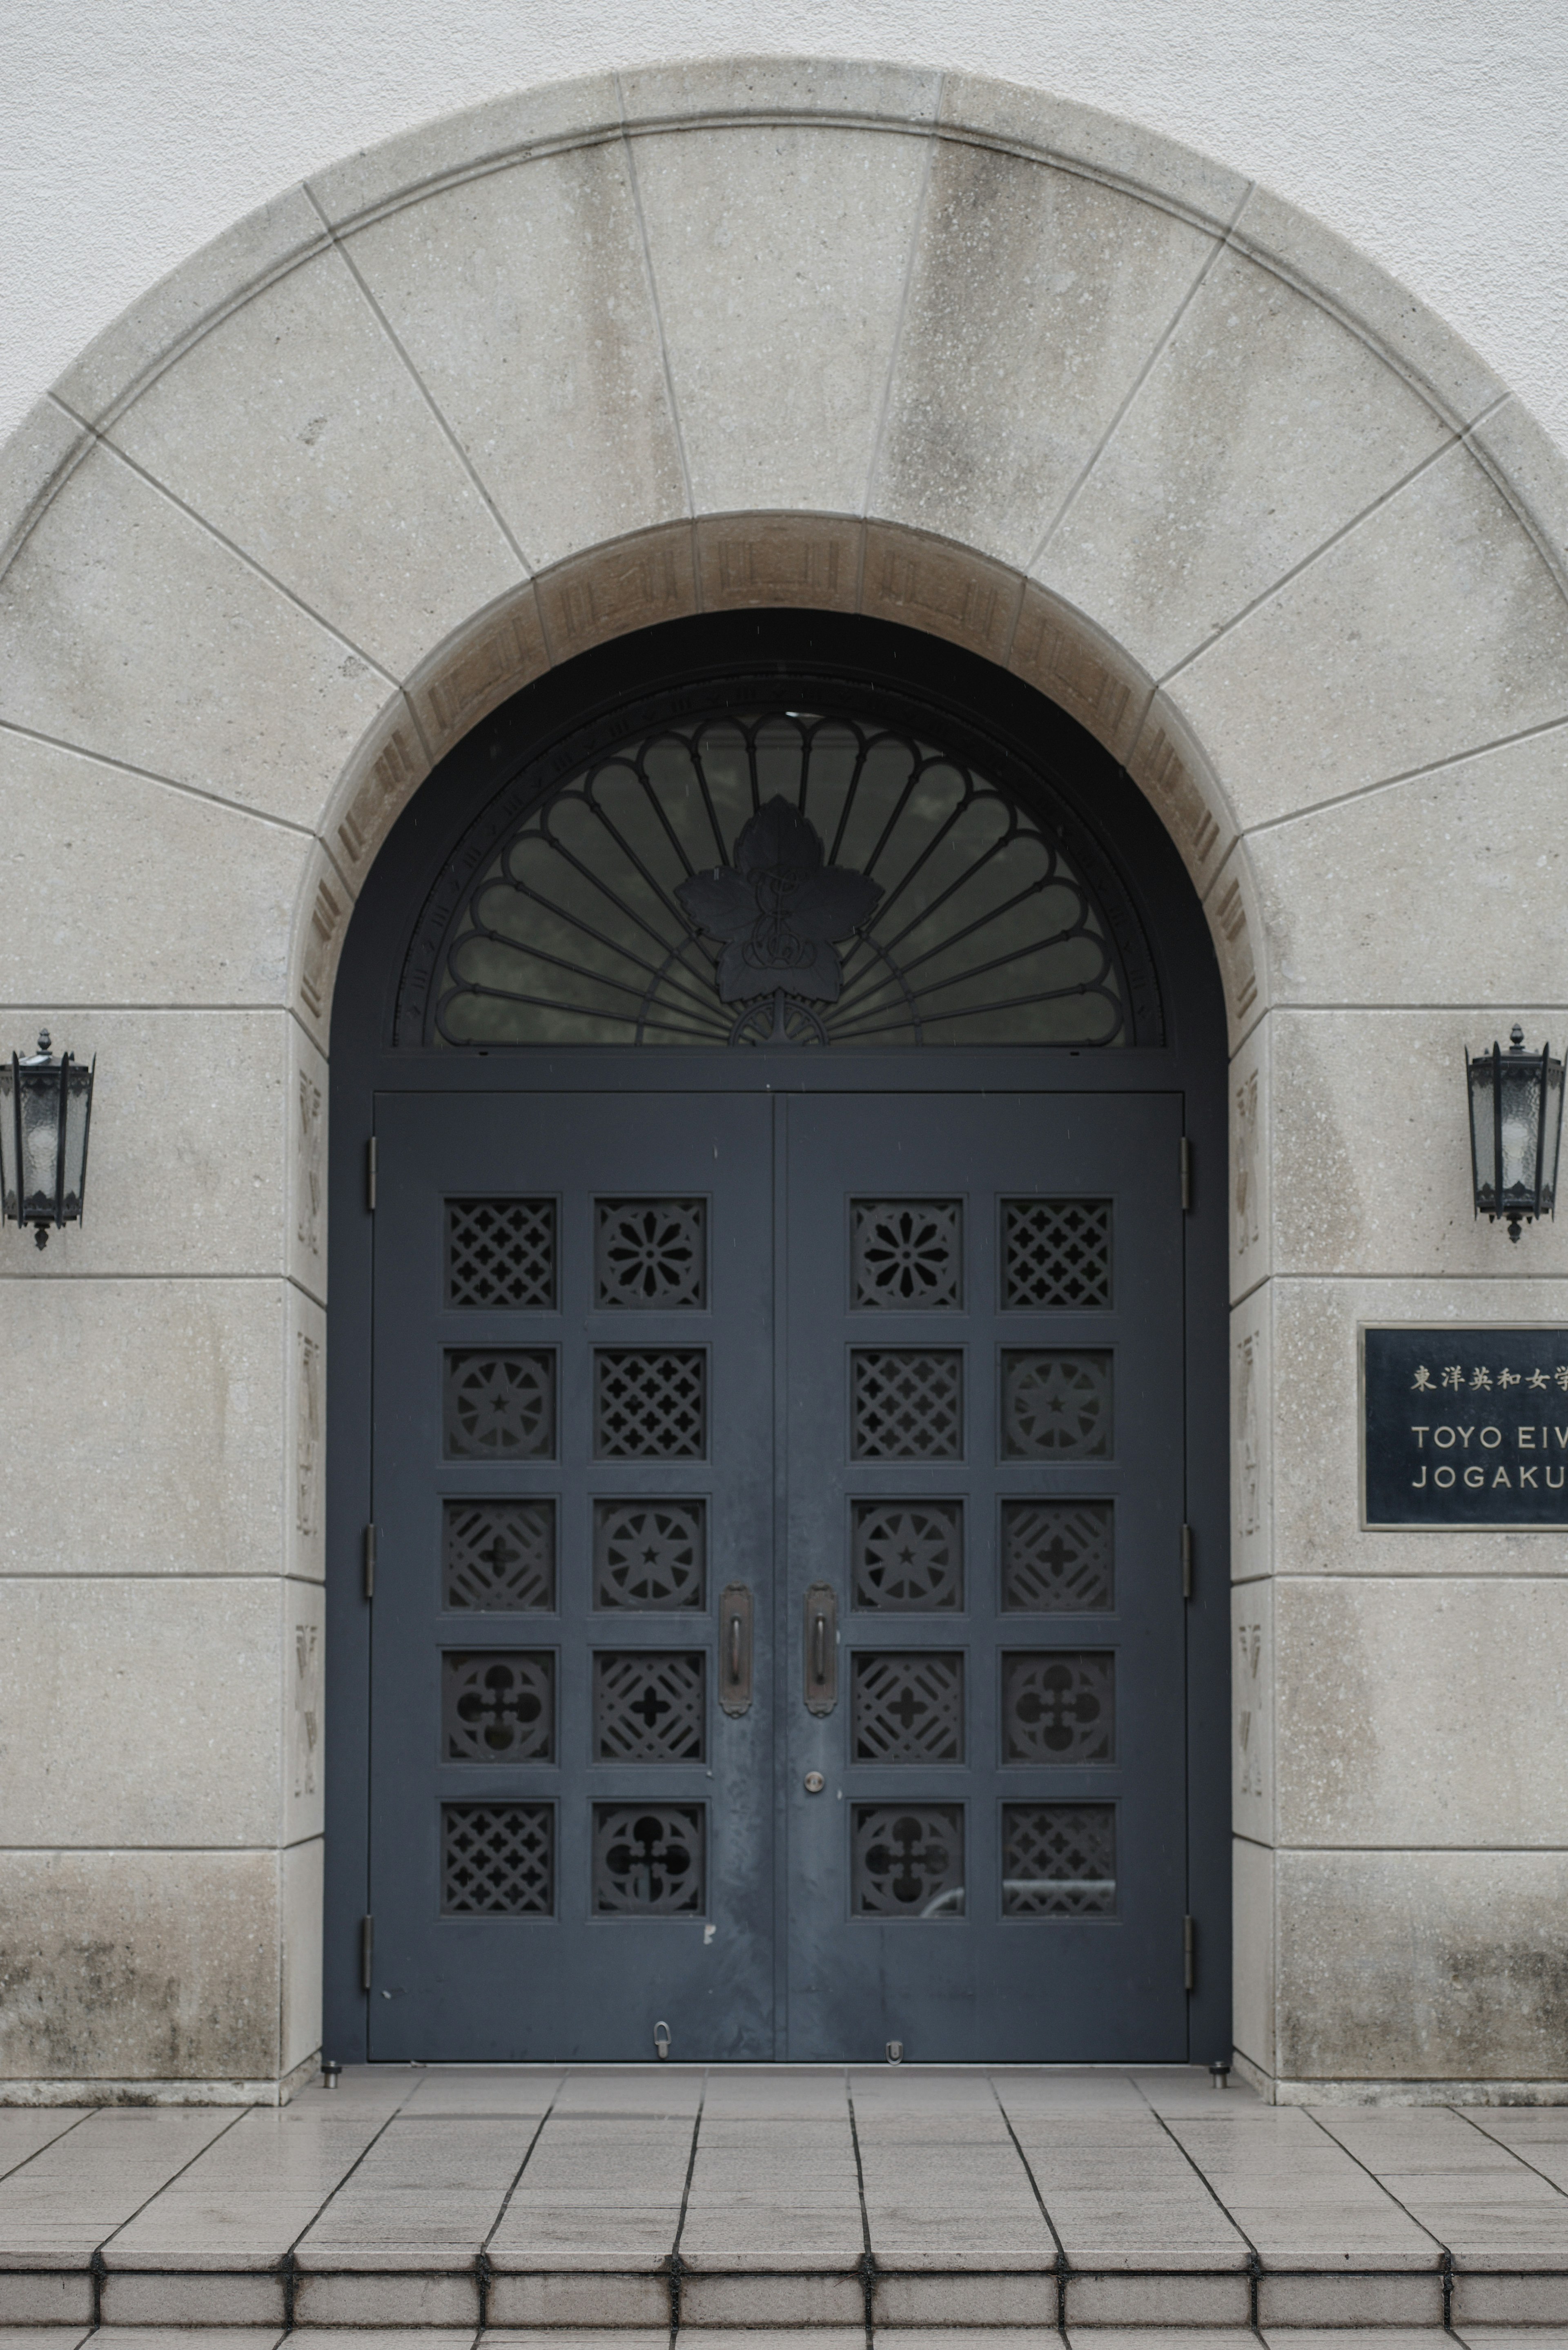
x=779, y=909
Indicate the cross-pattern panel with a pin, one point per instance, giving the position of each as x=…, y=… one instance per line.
x=1058, y=1705
x=1056, y=1405
x=649, y=1706
x=649, y=1860
x=650, y=1403
x=1057, y=1556
x=906, y=1403
x=497, y=1860
x=500, y=1252
x=1058, y=1860
x=907, y=1253
x=906, y=1860
x=498, y=1705
x=498, y=1555
x=1056, y=1253
x=651, y=1253
x=500, y=1403
x=650, y=1553
x=907, y=1555
x=908, y=1708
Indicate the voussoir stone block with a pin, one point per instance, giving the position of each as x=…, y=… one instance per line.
x=806, y=561
x=476, y=139
x=1102, y=146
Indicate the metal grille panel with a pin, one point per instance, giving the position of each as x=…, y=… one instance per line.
x=498, y=1557
x=1058, y=1860
x=498, y=1705
x=907, y=1556
x=649, y=1860
x=651, y=1253
x=649, y=1706
x=906, y=1403
x=497, y=1860
x=650, y=1553
x=500, y=1252
x=1056, y=1405
x=1056, y=1253
x=908, y=1709
x=500, y=1404
x=906, y=1860
x=650, y=1403
x=1057, y=1556
x=1059, y=1706
x=908, y=1255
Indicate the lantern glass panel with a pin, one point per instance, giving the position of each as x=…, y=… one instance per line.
x=8, y=1142
x=40, y=1140
x=1519, y=1112
x=1483, y=1133
x=79, y=1107
x=1551, y=1136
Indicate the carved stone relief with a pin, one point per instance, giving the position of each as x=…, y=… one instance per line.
x=307, y=1437
x=309, y=1173
x=307, y=1720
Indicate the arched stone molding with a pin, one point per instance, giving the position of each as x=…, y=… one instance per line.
x=886, y=341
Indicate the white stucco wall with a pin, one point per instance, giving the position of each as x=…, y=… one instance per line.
x=1431, y=132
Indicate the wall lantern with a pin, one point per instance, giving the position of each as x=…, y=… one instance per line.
x=44, y=1105
x=1516, y=1125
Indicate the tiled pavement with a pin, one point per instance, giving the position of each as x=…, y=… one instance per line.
x=935, y=2205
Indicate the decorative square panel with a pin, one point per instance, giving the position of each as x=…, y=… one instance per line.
x=906, y=1403
x=908, y=1709
x=1058, y=1860
x=649, y=1706
x=500, y=1252
x=1057, y=1556
x=650, y=1553
x=1058, y=1705
x=907, y=1555
x=1056, y=1405
x=649, y=1860
x=497, y=1860
x=499, y=1403
x=498, y=1555
x=1056, y=1253
x=906, y=1860
x=651, y=1253
x=650, y=1403
x=498, y=1705
x=907, y=1255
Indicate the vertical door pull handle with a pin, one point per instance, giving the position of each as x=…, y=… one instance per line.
x=821, y=1649
x=735, y=1649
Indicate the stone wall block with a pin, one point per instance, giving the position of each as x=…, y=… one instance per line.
x=1230, y=467
x=477, y=139
x=331, y=472
x=522, y=302
x=303, y=1872
x=946, y=590
x=1251, y=1432
x=1252, y=1168
x=1252, y=1953
x=1077, y=666
x=1431, y=631
x=305, y=1429
x=1103, y=146
x=632, y=584
x=1036, y=298
x=1252, y=1737
x=798, y=560
x=727, y=90
x=1169, y=766
x=463, y=682
x=305, y=1233
x=779, y=258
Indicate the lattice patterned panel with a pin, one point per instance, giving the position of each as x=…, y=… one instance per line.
x=907, y=1555
x=498, y=1555
x=907, y=1253
x=908, y=1709
x=1055, y=1252
x=649, y=1706
x=650, y=1253
x=498, y=1705
x=649, y=1860
x=500, y=1252
x=497, y=1860
x=1057, y=1556
x=500, y=1404
x=1056, y=1407
x=906, y=1860
x=1059, y=1705
x=650, y=1553
x=906, y=1403
x=1058, y=1860
x=650, y=1403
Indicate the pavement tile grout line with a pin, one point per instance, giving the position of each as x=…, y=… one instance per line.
x=674, y=2269
x=1044, y=2214
x=1254, y=2258
x=867, y=2254
x=1465, y=2116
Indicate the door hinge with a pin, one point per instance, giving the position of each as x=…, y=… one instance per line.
x=371, y=1175
x=1185, y=1562
x=1189, y=1953
x=369, y=1561
x=367, y=1950
x=1186, y=1174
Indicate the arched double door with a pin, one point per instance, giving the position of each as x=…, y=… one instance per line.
x=775, y=1411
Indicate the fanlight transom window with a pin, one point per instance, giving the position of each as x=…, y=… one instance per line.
x=773, y=876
